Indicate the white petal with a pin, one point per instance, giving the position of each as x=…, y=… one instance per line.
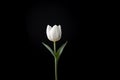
x=55, y=33
x=48, y=31
x=60, y=31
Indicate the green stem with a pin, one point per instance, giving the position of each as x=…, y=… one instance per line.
x=54, y=43
x=56, y=69
x=55, y=61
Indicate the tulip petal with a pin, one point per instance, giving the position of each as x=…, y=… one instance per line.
x=48, y=32
x=55, y=33
x=60, y=32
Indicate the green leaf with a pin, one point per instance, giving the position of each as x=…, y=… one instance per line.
x=51, y=51
x=60, y=50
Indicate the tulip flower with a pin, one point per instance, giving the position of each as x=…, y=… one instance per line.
x=54, y=34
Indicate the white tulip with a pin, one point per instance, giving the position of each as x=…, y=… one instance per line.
x=54, y=33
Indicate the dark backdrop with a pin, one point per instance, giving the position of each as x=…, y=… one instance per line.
x=80, y=58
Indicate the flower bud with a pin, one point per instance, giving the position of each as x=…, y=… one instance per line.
x=54, y=33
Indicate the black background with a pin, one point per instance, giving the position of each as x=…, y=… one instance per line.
x=29, y=59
